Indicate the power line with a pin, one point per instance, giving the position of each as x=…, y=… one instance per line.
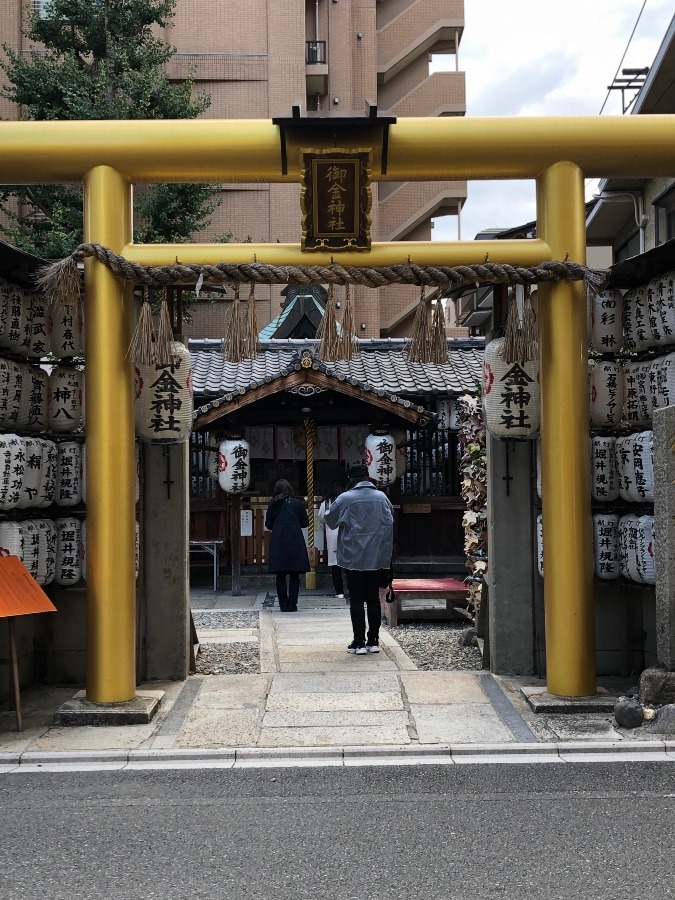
x=618, y=69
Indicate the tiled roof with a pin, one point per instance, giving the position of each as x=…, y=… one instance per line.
x=378, y=370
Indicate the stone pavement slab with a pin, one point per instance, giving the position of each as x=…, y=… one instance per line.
x=334, y=718
x=356, y=682
x=327, y=702
x=333, y=737
x=232, y=691
x=442, y=687
x=220, y=728
x=460, y=723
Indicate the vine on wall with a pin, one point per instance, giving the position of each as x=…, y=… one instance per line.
x=473, y=486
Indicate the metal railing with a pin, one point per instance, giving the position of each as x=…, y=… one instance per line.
x=315, y=53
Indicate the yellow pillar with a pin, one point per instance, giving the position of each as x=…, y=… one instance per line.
x=111, y=587
x=566, y=489
x=310, y=439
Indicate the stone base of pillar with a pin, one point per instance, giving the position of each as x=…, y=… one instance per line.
x=80, y=711
x=540, y=701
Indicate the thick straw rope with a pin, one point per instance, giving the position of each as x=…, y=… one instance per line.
x=58, y=276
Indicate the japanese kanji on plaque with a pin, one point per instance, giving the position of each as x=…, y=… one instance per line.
x=335, y=199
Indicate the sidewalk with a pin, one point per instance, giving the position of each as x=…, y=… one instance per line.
x=313, y=701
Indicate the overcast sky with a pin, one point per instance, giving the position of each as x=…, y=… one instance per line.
x=540, y=58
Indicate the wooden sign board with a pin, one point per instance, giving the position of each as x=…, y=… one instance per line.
x=335, y=199
x=20, y=594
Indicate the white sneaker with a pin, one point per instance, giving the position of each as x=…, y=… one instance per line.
x=339, y=596
x=361, y=651
x=372, y=648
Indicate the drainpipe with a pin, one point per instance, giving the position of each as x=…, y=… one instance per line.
x=641, y=219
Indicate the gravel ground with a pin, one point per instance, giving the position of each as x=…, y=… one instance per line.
x=227, y=659
x=436, y=645
x=222, y=618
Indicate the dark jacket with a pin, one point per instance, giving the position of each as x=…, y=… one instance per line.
x=286, y=517
x=365, y=521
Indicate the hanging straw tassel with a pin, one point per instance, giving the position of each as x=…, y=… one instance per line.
x=348, y=345
x=520, y=338
x=143, y=341
x=61, y=283
x=329, y=348
x=234, y=346
x=164, y=336
x=252, y=339
x=439, y=341
x=420, y=342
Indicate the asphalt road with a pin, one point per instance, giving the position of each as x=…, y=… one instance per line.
x=453, y=832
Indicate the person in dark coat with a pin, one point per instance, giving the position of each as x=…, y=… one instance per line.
x=286, y=517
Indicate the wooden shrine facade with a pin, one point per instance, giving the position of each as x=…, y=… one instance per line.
x=267, y=404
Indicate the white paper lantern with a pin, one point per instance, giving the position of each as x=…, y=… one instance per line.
x=234, y=466
x=33, y=450
x=606, y=546
x=13, y=469
x=637, y=398
x=654, y=321
x=380, y=457
x=164, y=400
x=448, y=413
x=65, y=399
x=34, y=325
x=68, y=487
x=604, y=478
x=664, y=288
x=663, y=373
x=65, y=330
x=628, y=548
x=31, y=546
x=33, y=407
x=50, y=459
x=636, y=319
x=11, y=384
x=13, y=334
x=645, y=562
x=607, y=389
x=643, y=466
x=5, y=294
x=11, y=539
x=540, y=545
x=67, y=552
x=83, y=473
x=510, y=395
x=625, y=468
x=607, y=321
x=46, y=569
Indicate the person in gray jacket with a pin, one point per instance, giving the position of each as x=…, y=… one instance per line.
x=364, y=518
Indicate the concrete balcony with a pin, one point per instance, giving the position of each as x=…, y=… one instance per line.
x=416, y=28
x=439, y=94
x=413, y=203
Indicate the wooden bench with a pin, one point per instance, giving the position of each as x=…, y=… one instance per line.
x=449, y=589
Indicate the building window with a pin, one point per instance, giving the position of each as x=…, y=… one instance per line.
x=664, y=209
x=630, y=248
x=39, y=7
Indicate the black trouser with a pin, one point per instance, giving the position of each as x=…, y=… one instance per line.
x=336, y=575
x=288, y=596
x=364, y=587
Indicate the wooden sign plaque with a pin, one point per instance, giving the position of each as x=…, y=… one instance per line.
x=335, y=199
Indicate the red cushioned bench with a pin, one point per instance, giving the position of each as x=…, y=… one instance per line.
x=449, y=589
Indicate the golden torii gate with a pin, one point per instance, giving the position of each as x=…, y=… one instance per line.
x=110, y=156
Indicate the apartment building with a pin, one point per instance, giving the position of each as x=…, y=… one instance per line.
x=258, y=58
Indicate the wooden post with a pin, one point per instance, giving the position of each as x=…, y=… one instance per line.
x=235, y=537
x=14, y=668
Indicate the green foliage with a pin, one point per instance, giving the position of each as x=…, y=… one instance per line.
x=101, y=60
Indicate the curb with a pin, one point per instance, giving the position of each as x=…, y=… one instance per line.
x=318, y=757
